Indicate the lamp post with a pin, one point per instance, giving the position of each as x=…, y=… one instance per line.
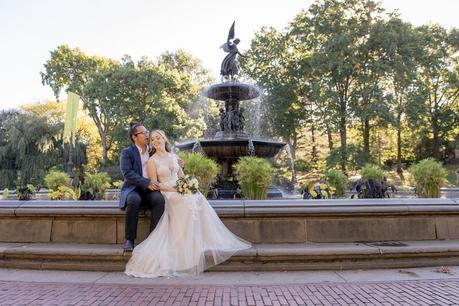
x=70, y=173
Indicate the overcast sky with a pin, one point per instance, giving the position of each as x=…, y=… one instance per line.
x=29, y=29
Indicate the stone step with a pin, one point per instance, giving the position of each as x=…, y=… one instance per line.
x=261, y=257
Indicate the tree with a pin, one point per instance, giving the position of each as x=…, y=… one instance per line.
x=336, y=32
x=70, y=70
x=29, y=147
x=436, y=91
x=86, y=132
x=404, y=50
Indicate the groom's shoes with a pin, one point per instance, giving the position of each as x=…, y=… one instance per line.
x=128, y=245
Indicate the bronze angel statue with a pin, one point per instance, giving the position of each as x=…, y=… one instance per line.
x=230, y=68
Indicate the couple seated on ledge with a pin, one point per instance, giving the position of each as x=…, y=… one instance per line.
x=186, y=235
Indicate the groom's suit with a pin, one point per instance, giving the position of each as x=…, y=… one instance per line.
x=135, y=192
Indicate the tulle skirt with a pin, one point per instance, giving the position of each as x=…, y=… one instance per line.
x=188, y=239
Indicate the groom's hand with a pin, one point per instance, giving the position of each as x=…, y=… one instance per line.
x=153, y=186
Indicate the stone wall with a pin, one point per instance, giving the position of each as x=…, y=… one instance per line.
x=269, y=221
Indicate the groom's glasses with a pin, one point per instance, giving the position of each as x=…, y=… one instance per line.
x=143, y=132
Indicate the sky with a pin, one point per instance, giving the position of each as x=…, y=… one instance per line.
x=30, y=29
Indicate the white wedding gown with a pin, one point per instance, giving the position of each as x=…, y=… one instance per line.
x=189, y=237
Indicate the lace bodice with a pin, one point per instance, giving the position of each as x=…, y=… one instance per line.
x=167, y=168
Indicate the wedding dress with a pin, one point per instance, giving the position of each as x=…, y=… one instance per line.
x=189, y=237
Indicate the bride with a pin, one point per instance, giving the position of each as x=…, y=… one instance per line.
x=190, y=237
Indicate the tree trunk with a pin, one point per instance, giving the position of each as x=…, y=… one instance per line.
x=343, y=149
x=314, y=147
x=103, y=139
x=436, y=139
x=399, y=145
x=330, y=138
x=293, y=156
x=366, y=139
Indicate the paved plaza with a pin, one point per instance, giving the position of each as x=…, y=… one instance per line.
x=419, y=286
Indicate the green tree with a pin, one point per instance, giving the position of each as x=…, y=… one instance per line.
x=404, y=51
x=337, y=34
x=435, y=96
x=70, y=70
x=29, y=147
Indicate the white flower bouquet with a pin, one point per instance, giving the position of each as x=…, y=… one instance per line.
x=187, y=184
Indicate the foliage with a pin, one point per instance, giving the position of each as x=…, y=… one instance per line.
x=347, y=65
x=94, y=185
x=202, y=168
x=355, y=157
x=372, y=172
x=117, y=184
x=5, y=194
x=64, y=193
x=311, y=190
x=337, y=180
x=434, y=100
x=26, y=192
x=55, y=179
x=302, y=165
x=53, y=113
x=429, y=175
x=158, y=93
x=254, y=175
x=30, y=145
x=371, y=189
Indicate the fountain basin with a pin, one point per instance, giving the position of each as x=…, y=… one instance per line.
x=231, y=91
x=225, y=148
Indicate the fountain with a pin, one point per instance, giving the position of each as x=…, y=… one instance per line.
x=231, y=142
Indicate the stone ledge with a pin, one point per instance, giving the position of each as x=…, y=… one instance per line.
x=261, y=257
x=247, y=208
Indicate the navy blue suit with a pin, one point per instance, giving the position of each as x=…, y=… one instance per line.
x=135, y=192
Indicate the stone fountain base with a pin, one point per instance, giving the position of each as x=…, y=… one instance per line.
x=286, y=234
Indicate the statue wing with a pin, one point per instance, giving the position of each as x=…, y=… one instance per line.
x=225, y=47
x=231, y=32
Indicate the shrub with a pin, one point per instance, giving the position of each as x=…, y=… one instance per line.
x=337, y=180
x=203, y=168
x=26, y=192
x=254, y=175
x=57, y=183
x=311, y=190
x=429, y=175
x=56, y=179
x=5, y=194
x=372, y=172
x=117, y=184
x=64, y=193
x=94, y=185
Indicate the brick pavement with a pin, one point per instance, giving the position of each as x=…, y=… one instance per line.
x=425, y=292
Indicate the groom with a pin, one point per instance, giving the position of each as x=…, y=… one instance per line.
x=138, y=190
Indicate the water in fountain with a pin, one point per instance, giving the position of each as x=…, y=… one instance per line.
x=251, y=148
x=196, y=147
x=292, y=162
x=256, y=119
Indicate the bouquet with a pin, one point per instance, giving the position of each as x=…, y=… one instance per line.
x=187, y=184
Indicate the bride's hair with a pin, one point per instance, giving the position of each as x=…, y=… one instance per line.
x=168, y=145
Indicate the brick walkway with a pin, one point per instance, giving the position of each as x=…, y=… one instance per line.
x=434, y=292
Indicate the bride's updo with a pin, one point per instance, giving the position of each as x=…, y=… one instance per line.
x=167, y=145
